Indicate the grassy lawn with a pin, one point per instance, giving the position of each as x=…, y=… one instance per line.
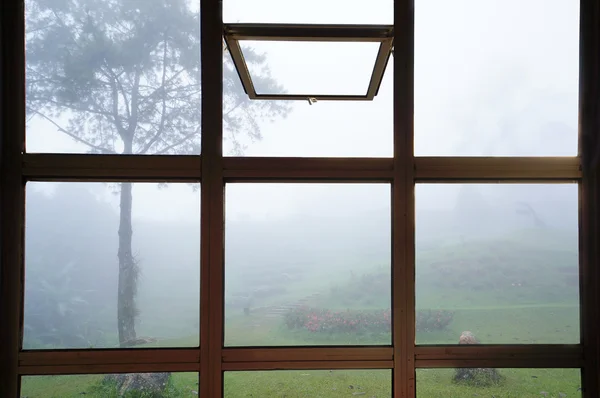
x=431, y=383
x=509, y=292
x=489, y=323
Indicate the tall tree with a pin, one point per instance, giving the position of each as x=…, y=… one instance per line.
x=123, y=77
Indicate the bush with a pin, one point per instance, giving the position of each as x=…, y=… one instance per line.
x=360, y=321
x=428, y=320
x=350, y=321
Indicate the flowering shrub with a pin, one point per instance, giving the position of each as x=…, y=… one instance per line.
x=360, y=321
x=327, y=321
x=428, y=320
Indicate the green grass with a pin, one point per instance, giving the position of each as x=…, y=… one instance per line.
x=309, y=383
x=430, y=383
x=518, y=383
x=92, y=386
x=475, y=281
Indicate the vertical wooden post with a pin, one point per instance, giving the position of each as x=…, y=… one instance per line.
x=12, y=78
x=212, y=207
x=403, y=202
x=589, y=220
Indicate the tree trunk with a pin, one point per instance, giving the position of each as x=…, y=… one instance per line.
x=154, y=383
x=128, y=271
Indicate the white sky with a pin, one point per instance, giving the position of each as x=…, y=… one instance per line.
x=492, y=77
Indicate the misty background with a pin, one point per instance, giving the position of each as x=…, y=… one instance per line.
x=514, y=96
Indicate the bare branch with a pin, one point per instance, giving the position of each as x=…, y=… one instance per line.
x=179, y=142
x=161, y=126
x=75, y=137
x=152, y=94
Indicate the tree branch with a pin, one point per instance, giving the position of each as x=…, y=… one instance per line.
x=161, y=126
x=152, y=94
x=179, y=142
x=70, y=106
x=135, y=94
x=75, y=137
x=115, y=109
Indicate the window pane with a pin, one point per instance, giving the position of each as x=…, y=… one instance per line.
x=307, y=264
x=107, y=76
x=309, y=11
x=501, y=80
x=505, y=383
x=103, y=386
x=88, y=286
x=309, y=383
x=314, y=67
x=296, y=128
x=497, y=262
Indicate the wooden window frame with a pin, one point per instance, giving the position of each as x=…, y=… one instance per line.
x=214, y=170
x=382, y=34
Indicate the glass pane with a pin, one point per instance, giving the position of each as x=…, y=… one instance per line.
x=494, y=81
x=307, y=264
x=296, y=128
x=89, y=284
x=505, y=383
x=309, y=11
x=339, y=68
x=104, y=386
x=497, y=264
x=308, y=383
x=107, y=76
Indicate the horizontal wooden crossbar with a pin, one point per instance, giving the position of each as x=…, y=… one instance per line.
x=327, y=354
x=249, y=169
x=282, y=358
x=308, y=32
x=308, y=365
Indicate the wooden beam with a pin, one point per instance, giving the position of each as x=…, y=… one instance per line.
x=106, y=357
x=445, y=169
x=299, y=354
x=501, y=363
x=308, y=32
x=66, y=167
x=252, y=169
x=212, y=198
x=184, y=168
x=403, y=215
x=12, y=144
x=500, y=352
x=589, y=219
x=308, y=365
x=108, y=368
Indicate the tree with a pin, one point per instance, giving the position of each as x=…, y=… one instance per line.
x=123, y=77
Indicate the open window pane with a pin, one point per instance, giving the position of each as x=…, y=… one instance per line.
x=496, y=77
x=505, y=383
x=497, y=264
x=309, y=383
x=184, y=385
x=309, y=11
x=312, y=67
x=107, y=76
x=307, y=264
x=296, y=128
x=87, y=285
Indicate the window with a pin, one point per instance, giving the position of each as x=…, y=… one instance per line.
x=497, y=260
x=499, y=82
x=436, y=236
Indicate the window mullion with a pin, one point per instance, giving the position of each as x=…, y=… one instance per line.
x=12, y=113
x=403, y=288
x=212, y=213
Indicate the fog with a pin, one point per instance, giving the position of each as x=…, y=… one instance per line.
x=494, y=78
